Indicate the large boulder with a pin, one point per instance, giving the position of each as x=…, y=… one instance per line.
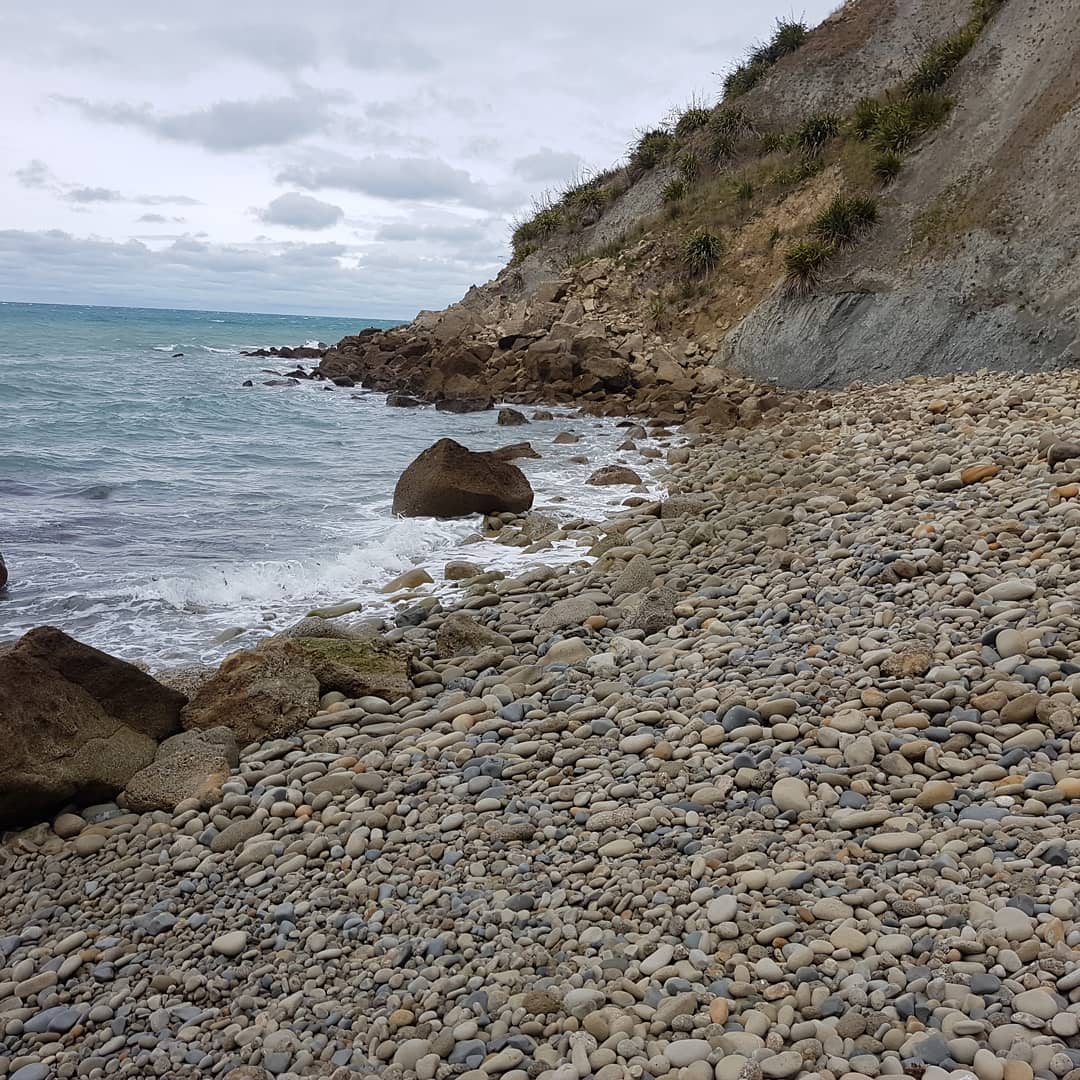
x=260, y=694
x=191, y=765
x=3, y=573
x=357, y=668
x=122, y=690
x=449, y=480
x=77, y=725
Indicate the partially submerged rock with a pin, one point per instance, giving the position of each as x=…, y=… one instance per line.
x=449, y=480
x=613, y=474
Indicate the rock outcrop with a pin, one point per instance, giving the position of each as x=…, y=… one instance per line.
x=77, y=724
x=448, y=480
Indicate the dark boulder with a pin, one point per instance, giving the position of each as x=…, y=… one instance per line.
x=78, y=724
x=449, y=480
x=402, y=401
x=3, y=572
x=464, y=405
x=511, y=418
x=613, y=474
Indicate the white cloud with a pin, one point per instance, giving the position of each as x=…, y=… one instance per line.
x=547, y=165
x=296, y=211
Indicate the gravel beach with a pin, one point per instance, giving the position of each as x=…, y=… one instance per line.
x=782, y=781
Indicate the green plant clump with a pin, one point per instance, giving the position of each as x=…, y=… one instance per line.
x=744, y=190
x=941, y=60
x=702, y=252
x=866, y=117
x=652, y=148
x=844, y=220
x=675, y=191
x=804, y=263
x=886, y=166
x=815, y=131
x=693, y=118
x=689, y=165
x=787, y=37
x=904, y=121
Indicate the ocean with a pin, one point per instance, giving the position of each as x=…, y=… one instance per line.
x=149, y=504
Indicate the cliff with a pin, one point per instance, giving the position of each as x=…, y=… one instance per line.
x=890, y=193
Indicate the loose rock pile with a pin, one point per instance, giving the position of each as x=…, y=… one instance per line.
x=785, y=783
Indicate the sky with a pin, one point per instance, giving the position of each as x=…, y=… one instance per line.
x=335, y=157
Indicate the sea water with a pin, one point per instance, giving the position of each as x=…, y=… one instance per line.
x=151, y=505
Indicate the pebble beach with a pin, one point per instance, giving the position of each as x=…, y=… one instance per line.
x=781, y=779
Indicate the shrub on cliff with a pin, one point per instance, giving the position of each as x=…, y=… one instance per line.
x=941, y=60
x=651, y=148
x=788, y=36
x=804, y=263
x=702, y=252
x=815, y=131
x=844, y=220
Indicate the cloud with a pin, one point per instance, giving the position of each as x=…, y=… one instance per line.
x=34, y=174
x=400, y=179
x=37, y=175
x=192, y=271
x=379, y=52
x=300, y=212
x=225, y=126
x=278, y=46
x=547, y=165
x=160, y=219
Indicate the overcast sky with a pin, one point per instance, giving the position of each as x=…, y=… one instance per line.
x=337, y=157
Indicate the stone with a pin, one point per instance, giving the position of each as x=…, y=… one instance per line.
x=613, y=474
x=371, y=667
x=231, y=944
x=461, y=635
x=563, y=614
x=460, y=570
x=934, y=793
x=449, y=480
x=637, y=576
x=791, y=794
x=511, y=418
x=411, y=579
x=259, y=694
x=193, y=765
x=61, y=744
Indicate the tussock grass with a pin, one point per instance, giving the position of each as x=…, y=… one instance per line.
x=866, y=117
x=886, y=166
x=804, y=265
x=844, y=220
x=816, y=131
x=744, y=190
x=702, y=252
x=652, y=148
x=787, y=37
x=694, y=117
x=675, y=191
x=941, y=60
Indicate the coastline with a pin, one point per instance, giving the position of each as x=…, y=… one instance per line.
x=730, y=796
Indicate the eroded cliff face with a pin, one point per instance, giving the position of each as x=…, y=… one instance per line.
x=976, y=262
x=972, y=262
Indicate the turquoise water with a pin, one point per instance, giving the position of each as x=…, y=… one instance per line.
x=149, y=502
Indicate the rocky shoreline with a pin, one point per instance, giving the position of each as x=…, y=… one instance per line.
x=784, y=784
